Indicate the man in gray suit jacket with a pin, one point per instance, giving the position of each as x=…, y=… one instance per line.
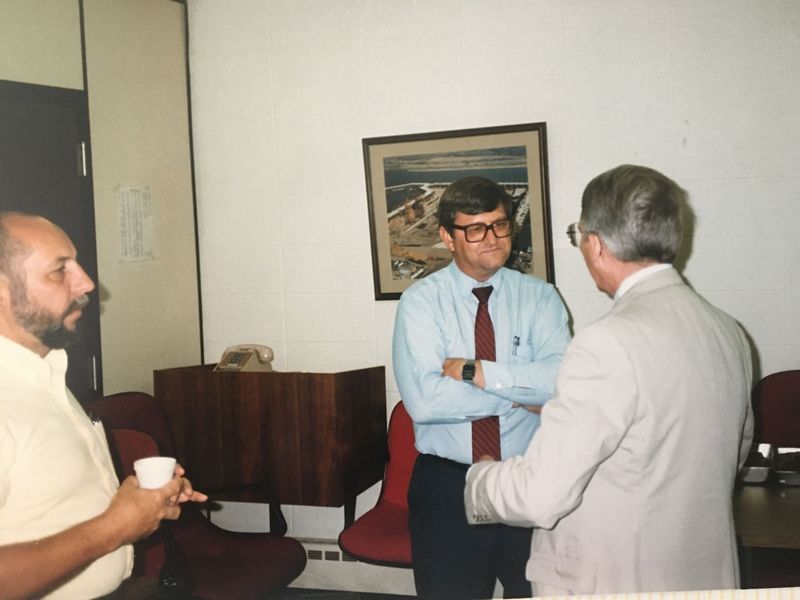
x=629, y=479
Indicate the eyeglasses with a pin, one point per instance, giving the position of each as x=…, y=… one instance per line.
x=573, y=233
x=476, y=232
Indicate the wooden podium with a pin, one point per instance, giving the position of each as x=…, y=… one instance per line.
x=315, y=439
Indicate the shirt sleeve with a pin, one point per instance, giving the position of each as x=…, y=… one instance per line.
x=547, y=338
x=418, y=353
x=593, y=407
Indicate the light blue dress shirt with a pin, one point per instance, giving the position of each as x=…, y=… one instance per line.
x=436, y=320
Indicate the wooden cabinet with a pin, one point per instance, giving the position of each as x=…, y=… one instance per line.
x=315, y=439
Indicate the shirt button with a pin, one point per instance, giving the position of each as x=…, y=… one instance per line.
x=498, y=385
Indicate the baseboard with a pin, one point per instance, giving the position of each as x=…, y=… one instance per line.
x=328, y=568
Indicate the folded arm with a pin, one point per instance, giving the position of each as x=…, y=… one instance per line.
x=531, y=382
x=430, y=381
x=419, y=350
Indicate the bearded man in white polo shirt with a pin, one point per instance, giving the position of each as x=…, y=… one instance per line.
x=66, y=525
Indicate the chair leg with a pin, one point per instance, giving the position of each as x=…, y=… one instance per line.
x=349, y=510
x=174, y=581
x=277, y=522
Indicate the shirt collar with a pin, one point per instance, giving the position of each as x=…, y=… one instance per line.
x=635, y=278
x=465, y=284
x=25, y=363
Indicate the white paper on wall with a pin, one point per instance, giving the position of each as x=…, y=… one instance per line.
x=135, y=211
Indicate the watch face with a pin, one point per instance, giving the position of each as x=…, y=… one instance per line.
x=468, y=371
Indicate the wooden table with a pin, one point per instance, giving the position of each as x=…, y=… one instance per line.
x=767, y=516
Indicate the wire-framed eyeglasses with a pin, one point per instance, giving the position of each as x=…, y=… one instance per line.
x=476, y=232
x=574, y=233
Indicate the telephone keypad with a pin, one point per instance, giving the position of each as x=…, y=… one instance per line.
x=238, y=358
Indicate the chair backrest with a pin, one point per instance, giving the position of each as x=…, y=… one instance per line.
x=136, y=411
x=402, y=455
x=776, y=404
x=137, y=427
x=130, y=446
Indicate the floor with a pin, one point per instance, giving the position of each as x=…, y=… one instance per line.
x=304, y=594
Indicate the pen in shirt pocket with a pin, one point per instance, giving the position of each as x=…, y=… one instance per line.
x=516, y=345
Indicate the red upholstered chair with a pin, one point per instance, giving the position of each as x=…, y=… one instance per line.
x=128, y=445
x=381, y=536
x=218, y=564
x=776, y=404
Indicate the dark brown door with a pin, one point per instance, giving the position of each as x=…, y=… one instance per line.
x=45, y=169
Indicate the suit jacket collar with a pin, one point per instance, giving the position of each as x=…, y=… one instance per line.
x=656, y=281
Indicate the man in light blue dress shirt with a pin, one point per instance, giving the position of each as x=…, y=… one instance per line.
x=445, y=389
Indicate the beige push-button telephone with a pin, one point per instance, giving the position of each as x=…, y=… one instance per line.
x=246, y=357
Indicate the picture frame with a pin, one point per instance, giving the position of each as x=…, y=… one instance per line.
x=406, y=175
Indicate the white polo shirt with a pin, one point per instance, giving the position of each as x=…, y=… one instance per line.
x=55, y=467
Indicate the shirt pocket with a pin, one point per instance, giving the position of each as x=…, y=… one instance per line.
x=521, y=350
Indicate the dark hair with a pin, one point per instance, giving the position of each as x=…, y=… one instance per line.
x=471, y=196
x=637, y=213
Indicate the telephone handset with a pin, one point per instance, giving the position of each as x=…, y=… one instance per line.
x=246, y=357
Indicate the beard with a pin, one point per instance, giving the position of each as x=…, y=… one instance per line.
x=60, y=336
x=47, y=327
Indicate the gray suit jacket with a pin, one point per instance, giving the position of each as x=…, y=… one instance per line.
x=630, y=476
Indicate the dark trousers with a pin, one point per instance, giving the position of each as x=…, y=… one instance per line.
x=453, y=559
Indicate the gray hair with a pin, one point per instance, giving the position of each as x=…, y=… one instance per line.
x=636, y=211
x=12, y=251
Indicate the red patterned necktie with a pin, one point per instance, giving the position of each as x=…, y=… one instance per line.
x=486, y=431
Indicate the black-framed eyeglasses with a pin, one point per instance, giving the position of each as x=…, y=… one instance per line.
x=476, y=232
x=573, y=233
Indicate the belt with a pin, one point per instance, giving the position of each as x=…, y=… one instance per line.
x=445, y=462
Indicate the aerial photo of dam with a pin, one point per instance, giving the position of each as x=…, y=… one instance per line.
x=414, y=184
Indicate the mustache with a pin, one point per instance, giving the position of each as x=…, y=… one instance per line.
x=77, y=304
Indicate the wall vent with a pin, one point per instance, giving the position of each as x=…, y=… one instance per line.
x=329, y=555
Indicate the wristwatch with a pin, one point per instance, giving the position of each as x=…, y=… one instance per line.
x=468, y=371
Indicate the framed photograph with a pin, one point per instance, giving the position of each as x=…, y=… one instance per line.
x=406, y=175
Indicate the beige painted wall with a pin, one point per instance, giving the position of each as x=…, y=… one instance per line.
x=135, y=55
x=40, y=42
x=140, y=137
